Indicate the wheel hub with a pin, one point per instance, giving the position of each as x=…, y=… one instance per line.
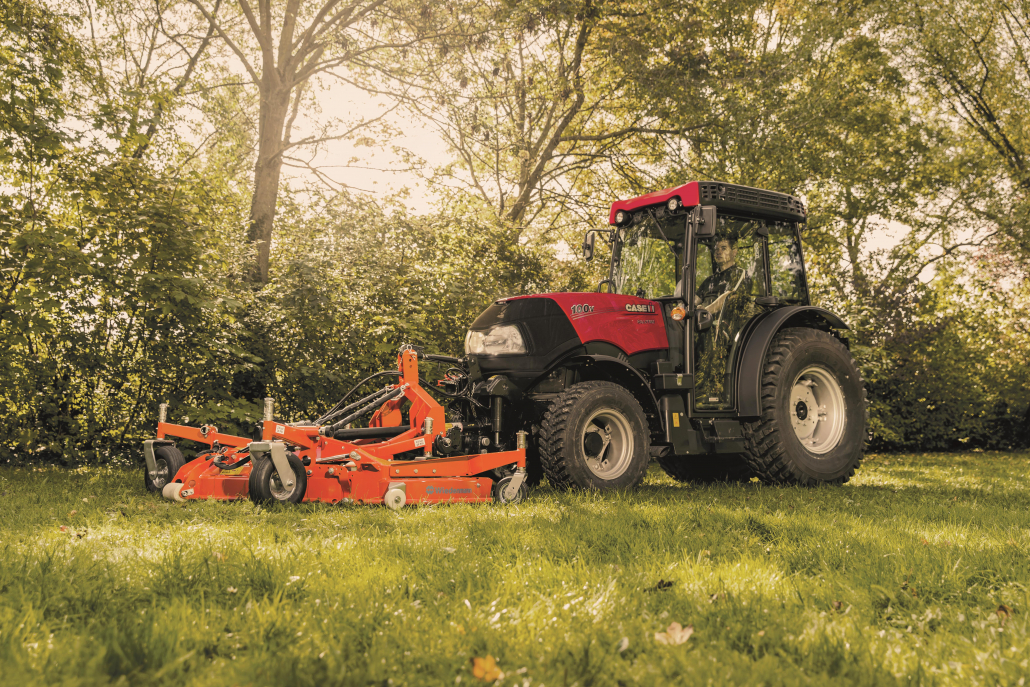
x=161, y=475
x=608, y=443
x=801, y=410
x=818, y=411
x=593, y=444
x=276, y=488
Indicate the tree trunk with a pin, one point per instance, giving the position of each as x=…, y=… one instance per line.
x=274, y=109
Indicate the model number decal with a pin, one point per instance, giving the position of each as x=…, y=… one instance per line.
x=420, y=442
x=280, y=429
x=583, y=308
x=641, y=307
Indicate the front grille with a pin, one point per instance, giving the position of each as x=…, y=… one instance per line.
x=743, y=197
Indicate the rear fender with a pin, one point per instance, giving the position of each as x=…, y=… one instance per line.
x=609, y=369
x=759, y=336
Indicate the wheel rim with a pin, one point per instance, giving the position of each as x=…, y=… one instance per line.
x=817, y=409
x=161, y=473
x=503, y=485
x=616, y=451
x=277, y=489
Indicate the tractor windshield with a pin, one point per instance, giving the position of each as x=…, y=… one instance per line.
x=645, y=262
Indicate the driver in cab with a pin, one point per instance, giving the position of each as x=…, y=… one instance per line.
x=718, y=295
x=727, y=280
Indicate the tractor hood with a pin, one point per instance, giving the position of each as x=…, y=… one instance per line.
x=552, y=325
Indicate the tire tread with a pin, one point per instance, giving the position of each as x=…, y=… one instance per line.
x=766, y=454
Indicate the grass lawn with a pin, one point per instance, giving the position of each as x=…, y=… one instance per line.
x=917, y=572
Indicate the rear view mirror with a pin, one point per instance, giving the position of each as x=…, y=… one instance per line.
x=588, y=246
x=706, y=227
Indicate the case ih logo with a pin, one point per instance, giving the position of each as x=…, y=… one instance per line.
x=582, y=309
x=643, y=307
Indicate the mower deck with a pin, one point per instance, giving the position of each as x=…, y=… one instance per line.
x=308, y=464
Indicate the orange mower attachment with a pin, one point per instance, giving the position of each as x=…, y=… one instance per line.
x=384, y=463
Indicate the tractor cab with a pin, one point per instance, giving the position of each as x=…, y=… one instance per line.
x=715, y=265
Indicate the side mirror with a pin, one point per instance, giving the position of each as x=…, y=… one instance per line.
x=707, y=225
x=703, y=320
x=588, y=246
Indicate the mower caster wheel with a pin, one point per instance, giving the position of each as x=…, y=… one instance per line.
x=502, y=484
x=265, y=484
x=172, y=491
x=168, y=459
x=394, y=499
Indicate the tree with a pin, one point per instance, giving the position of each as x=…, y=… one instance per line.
x=290, y=44
x=974, y=62
x=529, y=99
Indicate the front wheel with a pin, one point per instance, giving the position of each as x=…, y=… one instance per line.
x=595, y=436
x=168, y=460
x=266, y=485
x=501, y=487
x=812, y=427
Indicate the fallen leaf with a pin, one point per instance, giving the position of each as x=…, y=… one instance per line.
x=837, y=605
x=674, y=635
x=231, y=590
x=486, y=669
x=64, y=528
x=623, y=644
x=714, y=597
x=219, y=555
x=1004, y=611
x=761, y=633
x=72, y=513
x=449, y=549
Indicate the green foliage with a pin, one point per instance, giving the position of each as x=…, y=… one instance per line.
x=915, y=572
x=355, y=282
x=125, y=185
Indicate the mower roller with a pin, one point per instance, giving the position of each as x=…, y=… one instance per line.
x=385, y=463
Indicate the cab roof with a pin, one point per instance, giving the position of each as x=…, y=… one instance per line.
x=743, y=199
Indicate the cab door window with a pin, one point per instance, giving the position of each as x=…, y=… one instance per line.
x=786, y=269
x=729, y=275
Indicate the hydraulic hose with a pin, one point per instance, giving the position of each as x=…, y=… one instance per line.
x=356, y=387
x=441, y=358
x=331, y=429
x=371, y=397
x=231, y=466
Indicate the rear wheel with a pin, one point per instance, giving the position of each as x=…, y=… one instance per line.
x=812, y=427
x=168, y=460
x=731, y=467
x=595, y=436
x=266, y=485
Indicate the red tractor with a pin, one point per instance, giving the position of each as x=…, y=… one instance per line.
x=700, y=349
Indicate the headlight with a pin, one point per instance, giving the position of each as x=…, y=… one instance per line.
x=503, y=339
